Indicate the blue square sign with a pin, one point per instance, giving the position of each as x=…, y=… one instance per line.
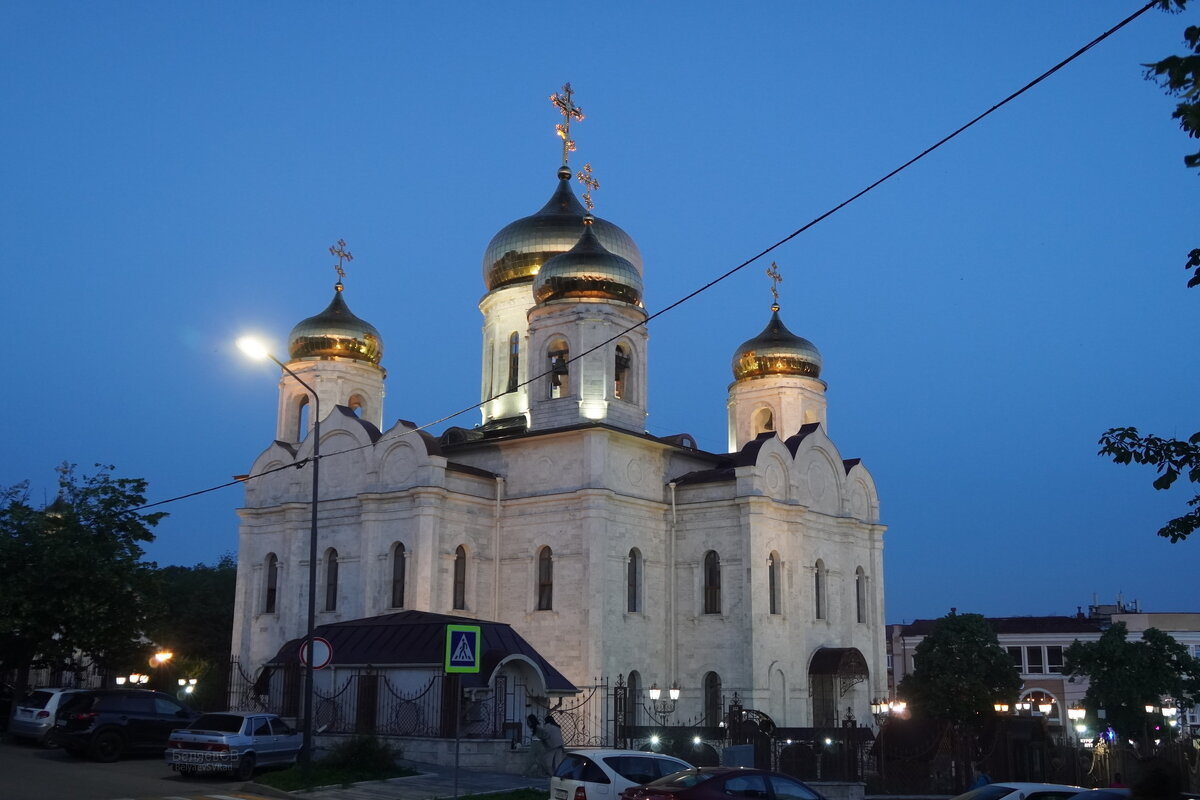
x=462, y=648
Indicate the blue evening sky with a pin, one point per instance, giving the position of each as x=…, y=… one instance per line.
x=173, y=173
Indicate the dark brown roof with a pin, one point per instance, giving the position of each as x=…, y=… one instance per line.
x=416, y=639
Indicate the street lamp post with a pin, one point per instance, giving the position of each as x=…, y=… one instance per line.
x=664, y=708
x=255, y=349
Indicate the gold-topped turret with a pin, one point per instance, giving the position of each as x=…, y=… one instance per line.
x=776, y=351
x=336, y=332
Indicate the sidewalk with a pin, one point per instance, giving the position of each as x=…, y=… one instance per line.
x=431, y=782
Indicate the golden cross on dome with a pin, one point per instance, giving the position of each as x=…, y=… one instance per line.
x=343, y=255
x=585, y=177
x=566, y=106
x=776, y=279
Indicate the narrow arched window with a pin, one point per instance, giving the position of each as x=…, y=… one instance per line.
x=545, y=586
x=489, y=364
x=633, y=698
x=819, y=589
x=764, y=421
x=621, y=373
x=712, y=583
x=331, y=579
x=272, y=570
x=557, y=358
x=356, y=404
x=514, y=361
x=460, y=578
x=773, y=582
x=302, y=409
x=860, y=594
x=712, y=699
x=399, y=565
x=633, y=582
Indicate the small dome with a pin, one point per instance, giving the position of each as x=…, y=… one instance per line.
x=776, y=351
x=519, y=250
x=588, y=270
x=336, y=333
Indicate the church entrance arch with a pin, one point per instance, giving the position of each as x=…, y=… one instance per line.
x=832, y=674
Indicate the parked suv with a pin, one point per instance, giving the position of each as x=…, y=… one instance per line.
x=33, y=717
x=106, y=723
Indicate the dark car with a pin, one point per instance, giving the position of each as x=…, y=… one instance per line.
x=722, y=783
x=104, y=724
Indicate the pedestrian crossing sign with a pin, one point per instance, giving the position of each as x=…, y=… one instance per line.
x=462, y=648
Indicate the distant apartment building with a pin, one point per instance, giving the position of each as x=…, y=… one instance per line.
x=1037, y=646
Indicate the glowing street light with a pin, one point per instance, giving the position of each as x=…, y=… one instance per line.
x=258, y=351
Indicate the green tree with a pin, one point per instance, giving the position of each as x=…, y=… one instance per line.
x=193, y=618
x=959, y=671
x=74, y=583
x=1124, y=677
x=1179, y=75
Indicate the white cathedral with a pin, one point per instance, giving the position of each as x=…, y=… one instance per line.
x=611, y=551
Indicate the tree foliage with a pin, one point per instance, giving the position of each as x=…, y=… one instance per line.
x=74, y=583
x=1124, y=677
x=1179, y=75
x=960, y=671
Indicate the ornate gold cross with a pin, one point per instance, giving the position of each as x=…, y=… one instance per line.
x=566, y=106
x=776, y=279
x=343, y=255
x=585, y=177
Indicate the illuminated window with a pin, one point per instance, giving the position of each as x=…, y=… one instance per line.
x=514, y=361
x=331, y=579
x=560, y=375
x=399, y=557
x=460, y=578
x=272, y=570
x=545, y=588
x=621, y=373
x=712, y=583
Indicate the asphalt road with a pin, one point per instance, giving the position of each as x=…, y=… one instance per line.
x=28, y=772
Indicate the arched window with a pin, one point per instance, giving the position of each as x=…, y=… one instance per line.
x=489, y=362
x=356, y=404
x=819, y=589
x=460, y=578
x=633, y=582
x=331, y=579
x=514, y=361
x=712, y=699
x=302, y=410
x=272, y=575
x=764, y=421
x=633, y=699
x=399, y=559
x=621, y=373
x=860, y=594
x=545, y=585
x=712, y=583
x=560, y=373
x=773, y=582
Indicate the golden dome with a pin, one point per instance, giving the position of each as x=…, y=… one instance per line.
x=588, y=271
x=776, y=351
x=519, y=250
x=336, y=333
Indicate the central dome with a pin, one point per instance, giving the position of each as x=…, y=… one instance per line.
x=519, y=250
x=336, y=333
x=776, y=351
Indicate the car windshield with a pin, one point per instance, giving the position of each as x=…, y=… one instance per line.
x=682, y=780
x=222, y=723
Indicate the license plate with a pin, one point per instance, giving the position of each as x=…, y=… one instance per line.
x=191, y=757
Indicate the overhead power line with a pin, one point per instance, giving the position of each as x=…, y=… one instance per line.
x=727, y=274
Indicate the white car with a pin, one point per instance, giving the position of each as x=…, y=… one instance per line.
x=1009, y=790
x=604, y=774
x=33, y=717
